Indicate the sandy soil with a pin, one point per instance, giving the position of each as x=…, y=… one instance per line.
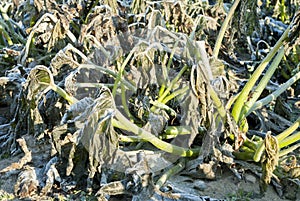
x=226, y=187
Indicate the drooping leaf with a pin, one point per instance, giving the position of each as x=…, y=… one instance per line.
x=98, y=135
x=269, y=160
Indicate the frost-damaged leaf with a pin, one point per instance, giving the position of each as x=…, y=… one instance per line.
x=31, y=179
x=100, y=26
x=269, y=161
x=45, y=28
x=23, y=161
x=52, y=175
x=10, y=87
x=98, y=135
x=40, y=79
x=64, y=60
x=137, y=182
x=190, y=117
x=176, y=16
x=27, y=183
x=156, y=122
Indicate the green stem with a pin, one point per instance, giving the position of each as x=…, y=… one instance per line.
x=172, y=55
x=217, y=102
x=124, y=101
x=223, y=29
x=288, y=150
x=174, y=94
x=290, y=140
x=63, y=94
x=173, y=82
x=288, y=131
x=124, y=138
x=110, y=72
x=121, y=69
x=275, y=94
x=259, y=151
x=245, y=156
x=162, y=106
x=177, y=130
x=145, y=135
x=165, y=69
x=162, y=89
x=171, y=172
x=242, y=98
x=6, y=36
x=263, y=82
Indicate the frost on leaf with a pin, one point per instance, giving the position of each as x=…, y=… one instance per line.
x=269, y=160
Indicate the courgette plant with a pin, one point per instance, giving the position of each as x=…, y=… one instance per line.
x=266, y=151
x=44, y=77
x=247, y=100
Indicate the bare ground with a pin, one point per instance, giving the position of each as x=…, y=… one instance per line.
x=226, y=187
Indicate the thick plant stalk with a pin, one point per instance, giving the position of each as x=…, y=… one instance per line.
x=263, y=82
x=288, y=150
x=242, y=98
x=178, y=130
x=145, y=135
x=259, y=151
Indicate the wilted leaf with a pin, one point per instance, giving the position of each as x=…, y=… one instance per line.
x=27, y=183
x=98, y=135
x=269, y=160
x=39, y=81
